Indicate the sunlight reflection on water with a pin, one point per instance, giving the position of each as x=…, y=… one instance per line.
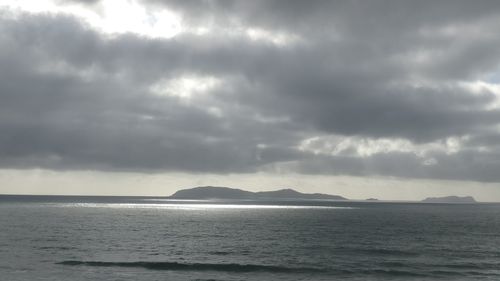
x=190, y=206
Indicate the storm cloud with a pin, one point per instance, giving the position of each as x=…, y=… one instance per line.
x=385, y=88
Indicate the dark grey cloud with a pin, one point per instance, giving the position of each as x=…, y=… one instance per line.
x=58, y=120
x=72, y=97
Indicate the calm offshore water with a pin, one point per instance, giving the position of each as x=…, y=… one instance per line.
x=54, y=238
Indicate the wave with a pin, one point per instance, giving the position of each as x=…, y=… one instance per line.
x=242, y=268
x=175, y=266
x=220, y=253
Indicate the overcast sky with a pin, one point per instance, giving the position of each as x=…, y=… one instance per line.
x=388, y=99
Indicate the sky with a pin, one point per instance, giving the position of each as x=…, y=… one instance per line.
x=387, y=99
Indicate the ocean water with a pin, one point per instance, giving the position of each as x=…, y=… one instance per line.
x=85, y=238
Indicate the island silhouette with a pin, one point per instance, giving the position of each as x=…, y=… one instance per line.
x=217, y=192
x=221, y=193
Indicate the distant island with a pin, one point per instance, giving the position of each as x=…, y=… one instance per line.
x=450, y=199
x=372, y=199
x=216, y=192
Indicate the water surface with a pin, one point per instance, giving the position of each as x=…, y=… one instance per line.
x=90, y=238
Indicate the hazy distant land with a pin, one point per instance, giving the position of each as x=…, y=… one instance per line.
x=450, y=199
x=215, y=192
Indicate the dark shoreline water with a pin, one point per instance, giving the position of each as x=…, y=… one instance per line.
x=148, y=238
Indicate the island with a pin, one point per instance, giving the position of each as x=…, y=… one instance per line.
x=216, y=192
x=450, y=199
x=371, y=199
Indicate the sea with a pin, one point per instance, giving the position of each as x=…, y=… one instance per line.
x=136, y=238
